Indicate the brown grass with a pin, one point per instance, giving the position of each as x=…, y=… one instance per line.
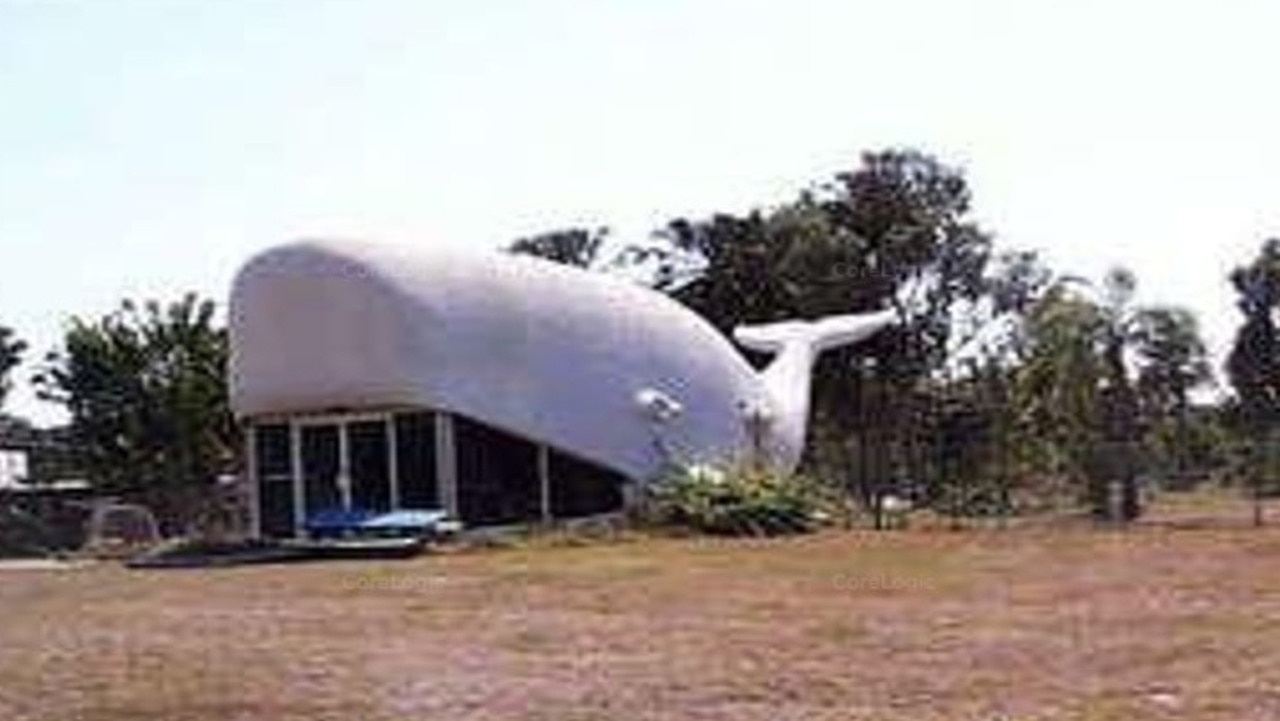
x=1167, y=620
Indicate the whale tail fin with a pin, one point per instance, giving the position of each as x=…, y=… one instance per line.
x=795, y=345
x=814, y=336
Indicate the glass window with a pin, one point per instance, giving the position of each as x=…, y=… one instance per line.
x=497, y=475
x=274, y=457
x=416, y=460
x=272, y=450
x=581, y=488
x=369, y=465
x=275, y=509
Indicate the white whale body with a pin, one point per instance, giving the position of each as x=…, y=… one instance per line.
x=590, y=364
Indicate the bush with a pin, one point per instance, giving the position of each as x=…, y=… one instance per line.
x=736, y=502
x=22, y=535
x=982, y=498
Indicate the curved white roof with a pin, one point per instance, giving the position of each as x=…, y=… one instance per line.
x=553, y=353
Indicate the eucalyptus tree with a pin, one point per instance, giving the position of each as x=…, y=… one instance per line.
x=1120, y=420
x=1100, y=372
x=1253, y=365
x=1172, y=361
x=1058, y=385
x=993, y=344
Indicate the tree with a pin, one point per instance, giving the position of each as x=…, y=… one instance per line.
x=1253, y=365
x=892, y=233
x=1057, y=385
x=986, y=447
x=146, y=391
x=1172, y=358
x=1172, y=361
x=1120, y=420
x=573, y=246
x=11, y=350
x=1097, y=374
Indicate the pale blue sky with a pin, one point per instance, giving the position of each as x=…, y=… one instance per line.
x=146, y=148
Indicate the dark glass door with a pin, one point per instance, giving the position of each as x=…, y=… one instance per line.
x=321, y=467
x=416, y=460
x=274, y=455
x=368, y=465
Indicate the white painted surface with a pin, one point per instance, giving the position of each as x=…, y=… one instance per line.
x=553, y=353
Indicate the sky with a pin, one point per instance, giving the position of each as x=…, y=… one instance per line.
x=147, y=148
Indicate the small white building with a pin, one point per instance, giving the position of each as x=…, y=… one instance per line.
x=14, y=470
x=502, y=388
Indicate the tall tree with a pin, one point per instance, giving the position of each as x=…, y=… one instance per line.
x=1172, y=357
x=572, y=246
x=1120, y=420
x=1253, y=365
x=980, y=408
x=1172, y=361
x=11, y=350
x=146, y=391
x=1098, y=372
x=1058, y=383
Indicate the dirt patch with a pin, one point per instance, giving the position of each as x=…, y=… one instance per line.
x=1156, y=621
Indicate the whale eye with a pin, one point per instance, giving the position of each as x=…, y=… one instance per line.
x=659, y=406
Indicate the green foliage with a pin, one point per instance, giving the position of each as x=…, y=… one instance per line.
x=969, y=481
x=1172, y=357
x=146, y=391
x=981, y=497
x=23, y=535
x=1172, y=360
x=1253, y=366
x=1103, y=382
x=1056, y=387
x=892, y=233
x=1189, y=447
x=740, y=501
x=573, y=246
x=11, y=350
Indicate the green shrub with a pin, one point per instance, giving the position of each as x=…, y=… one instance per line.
x=23, y=535
x=739, y=501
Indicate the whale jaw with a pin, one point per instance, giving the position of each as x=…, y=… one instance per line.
x=796, y=344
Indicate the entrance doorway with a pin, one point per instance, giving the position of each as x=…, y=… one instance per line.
x=345, y=465
x=366, y=461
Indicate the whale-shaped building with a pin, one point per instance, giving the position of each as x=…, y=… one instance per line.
x=503, y=388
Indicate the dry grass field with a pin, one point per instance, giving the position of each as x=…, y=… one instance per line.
x=1171, y=620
